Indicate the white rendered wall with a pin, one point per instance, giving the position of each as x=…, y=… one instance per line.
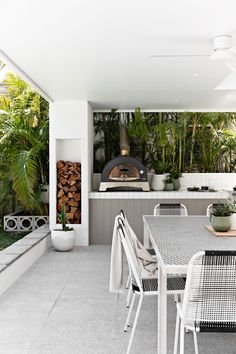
x=70, y=139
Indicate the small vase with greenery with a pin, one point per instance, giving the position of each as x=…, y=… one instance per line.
x=159, y=168
x=176, y=175
x=220, y=216
x=63, y=239
x=169, y=183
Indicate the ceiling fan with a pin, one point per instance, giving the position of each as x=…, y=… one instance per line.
x=222, y=49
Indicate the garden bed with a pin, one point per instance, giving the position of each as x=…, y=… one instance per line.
x=8, y=238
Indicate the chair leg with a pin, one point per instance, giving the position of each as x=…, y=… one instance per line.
x=176, y=298
x=128, y=281
x=128, y=297
x=176, y=333
x=135, y=323
x=182, y=331
x=129, y=313
x=195, y=342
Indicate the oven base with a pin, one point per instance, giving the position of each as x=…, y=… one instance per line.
x=144, y=186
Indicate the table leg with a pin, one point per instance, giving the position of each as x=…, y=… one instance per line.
x=146, y=240
x=162, y=312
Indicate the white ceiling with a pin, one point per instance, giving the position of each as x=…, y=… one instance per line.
x=100, y=50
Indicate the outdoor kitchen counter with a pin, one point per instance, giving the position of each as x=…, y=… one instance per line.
x=104, y=206
x=159, y=195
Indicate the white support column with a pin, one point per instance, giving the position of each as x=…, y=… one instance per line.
x=71, y=138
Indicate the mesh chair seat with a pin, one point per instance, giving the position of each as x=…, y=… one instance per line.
x=151, y=284
x=204, y=326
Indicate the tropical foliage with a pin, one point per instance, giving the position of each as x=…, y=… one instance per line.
x=24, y=140
x=106, y=145
x=182, y=141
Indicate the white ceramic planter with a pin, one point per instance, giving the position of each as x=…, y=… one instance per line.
x=158, y=183
x=233, y=221
x=221, y=223
x=63, y=240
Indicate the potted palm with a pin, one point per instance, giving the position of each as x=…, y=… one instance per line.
x=169, y=183
x=220, y=216
x=64, y=238
x=176, y=175
x=158, y=178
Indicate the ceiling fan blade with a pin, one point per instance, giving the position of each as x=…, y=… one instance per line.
x=178, y=55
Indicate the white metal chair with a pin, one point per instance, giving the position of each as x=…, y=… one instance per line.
x=209, y=302
x=170, y=209
x=142, y=284
x=209, y=209
x=150, y=250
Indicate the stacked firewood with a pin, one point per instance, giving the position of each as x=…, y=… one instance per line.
x=69, y=190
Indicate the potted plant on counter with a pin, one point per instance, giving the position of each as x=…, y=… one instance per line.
x=176, y=175
x=169, y=183
x=158, y=178
x=220, y=216
x=63, y=239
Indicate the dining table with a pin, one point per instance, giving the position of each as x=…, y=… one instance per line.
x=175, y=240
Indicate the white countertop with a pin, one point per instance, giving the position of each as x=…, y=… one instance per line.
x=159, y=195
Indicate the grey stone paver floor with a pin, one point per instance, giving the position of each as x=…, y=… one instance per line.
x=61, y=305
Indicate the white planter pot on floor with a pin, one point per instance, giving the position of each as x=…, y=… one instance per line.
x=63, y=240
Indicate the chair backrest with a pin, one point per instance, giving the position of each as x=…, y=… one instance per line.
x=133, y=262
x=170, y=209
x=130, y=232
x=209, y=302
x=209, y=209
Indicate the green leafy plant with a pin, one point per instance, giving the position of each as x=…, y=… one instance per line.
x=24, y=142
x=234, y=206
x=62, y=219
x=138, y=133
x=107, y=138
x=168, y=179
x=159, y=167
x=186, y=141
x=223, y=209
x=175, y=174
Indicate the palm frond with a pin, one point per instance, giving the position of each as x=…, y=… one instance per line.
x=24, y=171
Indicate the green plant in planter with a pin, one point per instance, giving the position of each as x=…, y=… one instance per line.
x=223, y=209
x=63, y=239
x=220, y=216
x=169, y=183
x=62, y=218
x=176, y=175
x=159, y=167
x=169, y=179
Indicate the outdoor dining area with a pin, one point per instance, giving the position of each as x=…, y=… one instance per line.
x=117, y=177
x=184, y=257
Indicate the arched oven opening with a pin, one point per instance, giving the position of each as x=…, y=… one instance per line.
x=124, y=172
